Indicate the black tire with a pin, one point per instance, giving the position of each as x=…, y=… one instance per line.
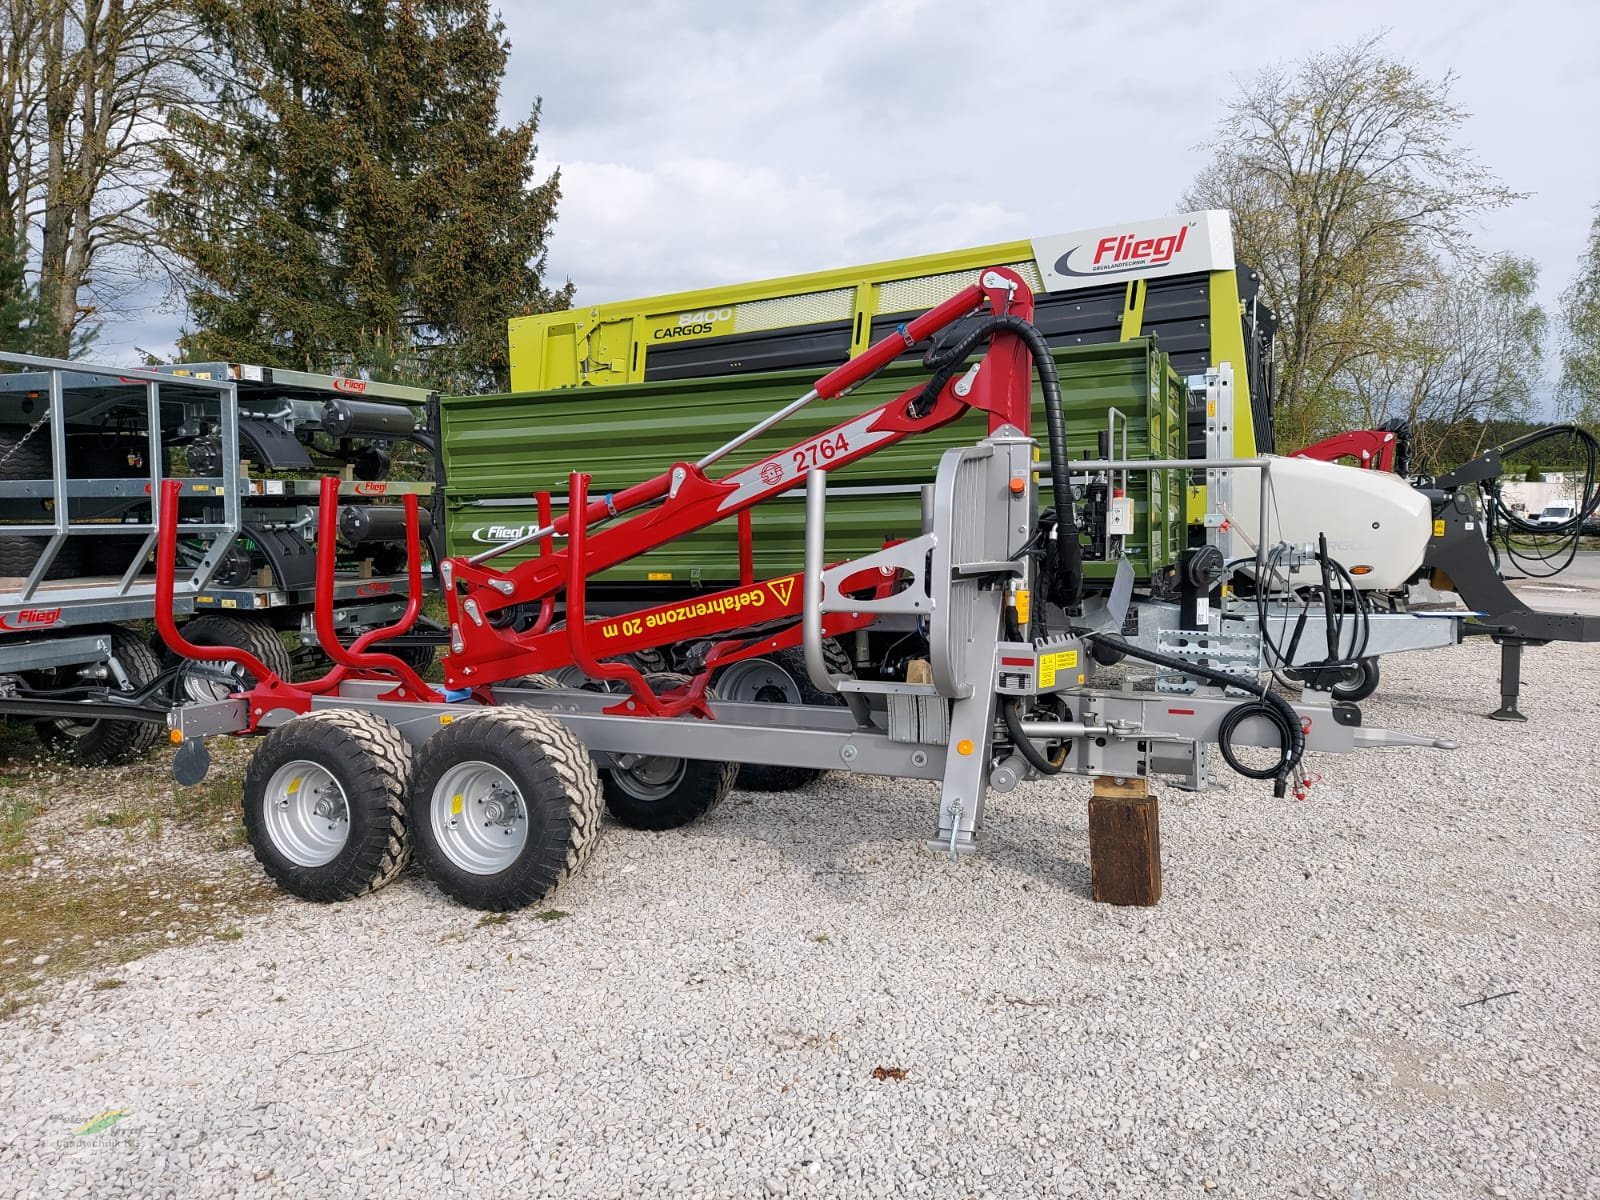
x=202, y=681
x=658, y=793
x=557, y=799
x=371, y=763
x=25, y=457
x=1360, y=683
x=539, y=683
x=781, y=678
x=650, y=660
x=418, y=657
x=105, y=742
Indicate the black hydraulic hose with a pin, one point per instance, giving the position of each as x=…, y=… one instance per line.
x=1236, y=716
x=947, y=362
x=1282, y=715
x=1024, y=744
x=1552, y=556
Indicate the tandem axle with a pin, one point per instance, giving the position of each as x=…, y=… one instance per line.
x=497, y=780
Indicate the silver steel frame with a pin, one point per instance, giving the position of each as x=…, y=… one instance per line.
x=960, y=569
x=126, y=597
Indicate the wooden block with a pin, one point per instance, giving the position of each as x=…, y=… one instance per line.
x=1124, y=842
x=919, y=670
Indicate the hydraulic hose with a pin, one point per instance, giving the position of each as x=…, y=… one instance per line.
x=1554, y=546
x=1024, y=744
x=1068, y=587
x=1275, y=706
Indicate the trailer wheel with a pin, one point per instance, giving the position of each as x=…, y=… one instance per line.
x=655, y=792
x=324, y=804
x=1361, y=681
x=537, y=683
x=418, y=657
x=105, y=742
x=505, y=807
x=216, y=681
x=648, y=661
x=781, y=678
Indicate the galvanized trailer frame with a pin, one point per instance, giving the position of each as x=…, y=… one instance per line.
x=69, y=625
x=965, y=578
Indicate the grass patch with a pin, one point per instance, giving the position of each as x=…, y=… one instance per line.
x=172, y=875
x=107, y=985
x=492, y=919
x=549, y=914
x=15, y=813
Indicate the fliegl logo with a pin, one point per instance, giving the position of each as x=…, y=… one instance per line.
x=493, y=535
x=1122, y=253
x=30, y=618
x=693, y=324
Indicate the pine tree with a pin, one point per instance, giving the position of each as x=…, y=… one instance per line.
x=19, y=306
x=354, y=201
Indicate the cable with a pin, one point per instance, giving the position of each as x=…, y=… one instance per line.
x=1343, y=602
x=1064, y=555
x=1288, y=722
x=1562, y=545
x=1236, y=716
x=1024, y=744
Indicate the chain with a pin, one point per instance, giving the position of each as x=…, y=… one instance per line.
x=23, y=440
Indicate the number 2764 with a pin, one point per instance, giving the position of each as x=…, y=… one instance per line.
x=820, y=451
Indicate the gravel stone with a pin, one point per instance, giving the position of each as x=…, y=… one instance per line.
x=1306, y=1013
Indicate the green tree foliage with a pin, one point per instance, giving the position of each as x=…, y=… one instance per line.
x=1346, y=183
x=353, y=201
x=1465, y=345
x=1580, y=347
x=19, y=307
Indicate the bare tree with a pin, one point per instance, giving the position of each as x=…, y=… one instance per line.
x=85, y=90
x=1580, y=341
x=1345, y=182
x=1465, y=349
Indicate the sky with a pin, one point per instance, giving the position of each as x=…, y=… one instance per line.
x=719, y=142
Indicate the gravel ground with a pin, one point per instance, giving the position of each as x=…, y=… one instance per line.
x=1388, y=990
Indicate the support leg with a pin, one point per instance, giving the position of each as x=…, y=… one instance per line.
x=1510, y=682
x=1124, y=842
x=961, y=797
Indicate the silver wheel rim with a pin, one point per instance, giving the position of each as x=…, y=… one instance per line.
x=759, y=680
x=306, y=813
x=479, y=819
x=209, y=681
x=650, y=777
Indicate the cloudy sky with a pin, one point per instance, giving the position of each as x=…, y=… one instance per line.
x=724, y=141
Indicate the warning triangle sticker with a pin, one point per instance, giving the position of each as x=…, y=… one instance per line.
x=782, y=589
